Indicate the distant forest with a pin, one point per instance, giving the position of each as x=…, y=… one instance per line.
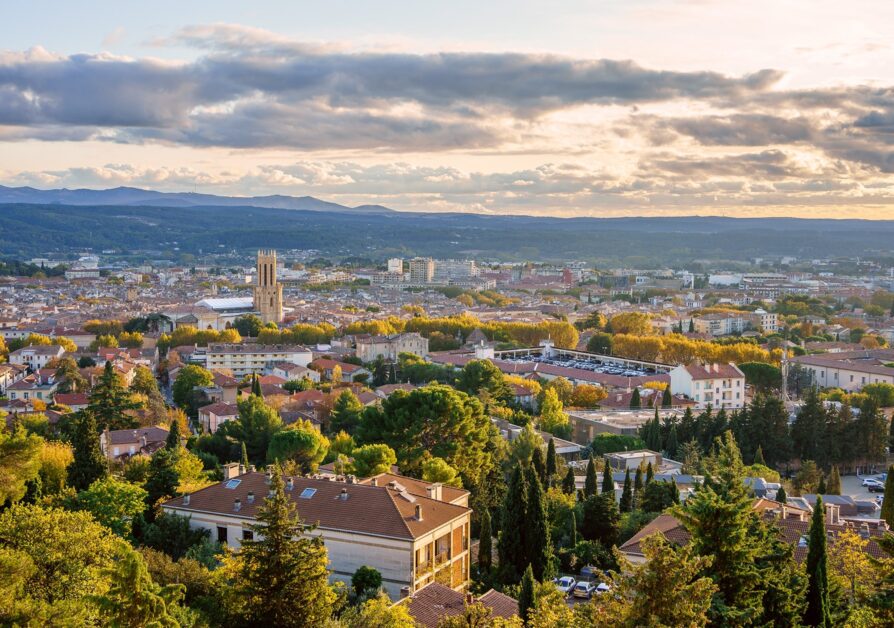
x=30, y=230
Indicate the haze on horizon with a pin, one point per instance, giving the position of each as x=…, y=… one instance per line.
x=568, y=108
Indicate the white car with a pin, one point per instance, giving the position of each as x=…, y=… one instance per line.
x=565, y=584
x=602, y=587
x=584, y=589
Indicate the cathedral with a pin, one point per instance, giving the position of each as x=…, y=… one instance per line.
x=268, y=292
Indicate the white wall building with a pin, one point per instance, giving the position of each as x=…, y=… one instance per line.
x=715, y=385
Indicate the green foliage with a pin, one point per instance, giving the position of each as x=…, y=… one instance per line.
x=764, y=377
x=20, y=462
x=527, y=598
x=437, y=470
x=512, y=543
x=888, y=503
x=113, y=503
x=370, y=460
x=818, y=612
x=172, y=534
x=590, y=481
x=366, y=579
x=601, y=519
x=255, y=426
x=537, y=530
x=133, y=599
x=659, y=495
x=600, y=343
x=248, y=325
x=188, y=378
x=626, y=502
x=569, y=484
x=608, y=483
x=163, y=479
x=481, y=378
x=89, y=464
x=346, y=412
x=552, y=416
x=299, y=442
x=110, y=401
x=485, y=545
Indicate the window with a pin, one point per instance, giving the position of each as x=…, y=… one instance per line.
x=248, y=535
x=307, y=493
x=116, y=451
x=232, y=484
x=222, y=534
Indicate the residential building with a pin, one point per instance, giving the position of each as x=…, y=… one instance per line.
x=623, y=460
x=422, y=270
x=349, y=372
x=10, y=374
x=214, y=415
x=122, y=444
x=389, y=347
x=248, y=358
x=396, y=265
x=849, y=370
x=36, y=356
x=38, y=386
x=433, y=602
x=715, y=385
x=412, y=532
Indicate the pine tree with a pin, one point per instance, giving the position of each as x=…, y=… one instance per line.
x=781, y=497
x=650, y=473
x=818, y=611
x=834, y=485
x=667, y=399
x=538, y=464
x=759, y=456
x=626, y=504
x=89, y=464
x=568, y=482
x=172, y=442
x=162, y=480
x=550, y=462
x=537, y=530
x=485, y=544
x=590, y=482
x=110, y=401
x=888, y=502
x=282, y=575
x=608, y=483
x=821, y=487
x=512, y=543
x=635, y=400
x=527, y=597
x=133, y=599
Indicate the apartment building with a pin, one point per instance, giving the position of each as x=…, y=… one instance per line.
x=715, y=385
x=849, y=370
x=389, y=347
x=422, y=270
x=36, y=356
x=727, y=323
x=411, y=531
x=248, y=359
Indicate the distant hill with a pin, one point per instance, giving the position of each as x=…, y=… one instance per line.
x=125, y=196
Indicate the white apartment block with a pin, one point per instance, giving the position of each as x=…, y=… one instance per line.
x=247, y=359
x=715, y=385
x=849, y=370
x=422, y=270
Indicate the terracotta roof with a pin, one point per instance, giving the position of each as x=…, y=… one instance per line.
x=500, y=604
x=72, y=399
x=152, y=434
x=417, y=487
x=326, y=363
x=430, y=604
x=374, y=510
x=220, y=409
x=713, y=371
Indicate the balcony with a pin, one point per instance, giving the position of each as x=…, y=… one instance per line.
x=426, y=566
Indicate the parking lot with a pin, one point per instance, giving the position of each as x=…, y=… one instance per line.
x=587, y=365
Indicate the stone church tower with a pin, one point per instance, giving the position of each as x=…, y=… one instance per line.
x=268, y=293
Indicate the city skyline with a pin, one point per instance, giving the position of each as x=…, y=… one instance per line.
x=576, y=109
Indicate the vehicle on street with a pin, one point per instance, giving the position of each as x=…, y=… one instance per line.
x=871, y=481
x=565, y=584
x=584, y=590
x=877, y=487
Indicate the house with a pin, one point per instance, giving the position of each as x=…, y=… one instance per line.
x=36, y=356
x=410, y=536
x=349, y=372
x=623, y=460
x=849, y=370
x=122, y=444
x=75, y=401
x=294, y=372
x=369, y=348
x=10, y=374
x=433, y=602
x=38, y=386
x=385, y=391
x=213, y=415
x=715, y=385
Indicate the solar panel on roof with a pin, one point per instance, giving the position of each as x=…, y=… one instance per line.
x=307, y=493
x=232, y=484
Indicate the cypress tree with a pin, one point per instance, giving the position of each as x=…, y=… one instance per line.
x=172, y=443
x=672, y=441
x=834, y=485
x=590, y=482
x=759, y=456
x=244, y=462
x=818, y=611
x=568, y=483
x=888, y=502
x=637, y=487
x=256, y=386
x=538, y=464
x=537, y=532
x=691, y=326
x=608, y=483
x=527, y=598
x=626, y=504
x=675, y=492
x=821, y=487
x=551, y=463
x=667, y=399
x=635, y=400
x=781, y=497
x=512, y=543
x=573, y=535
x=650, y=474
x=89, y=464
x=485, y=544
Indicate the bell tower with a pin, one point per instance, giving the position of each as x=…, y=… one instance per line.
x=268, y=292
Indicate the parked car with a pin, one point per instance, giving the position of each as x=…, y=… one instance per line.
x=602, y=587
x=871, y=481
x=584, y=589
x=876, y=487
x=565, y=584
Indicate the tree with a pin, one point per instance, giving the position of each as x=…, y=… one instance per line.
x=70, y=378
x=144, y=383
x=538, y=463
x=172, y=534
x=437, y=470
x=888, y=503
x=809, y=429
x=667, y=399
x=89, y=464
x=113, y=503
x=569, y=485
x=765, y=378
x=255, y=426
x=133, y=599
x=280, y=577
x=600, y=343
x=301, y=443
x=378, y=612
x=608, y=483
x=20, y=462
x=110, y=401
x=485, y=544
x=365, y=579
x=637, y=487
x=849, y=561
x=512, y=543
x=481, y=378
x=256, y=386
x=552, y=416
x=601, y=520
x=370, y=460
x=821, y=487
x=527, y=598
x=189, y=377
x=163, y=479
x=781, y=497
x=626, y=504
x=759, y=456
x=650, y=474
x=345, y=413
x=818, y=612
x=667, y=589
x=537, y=532
x=659, y=495
x=248, y=325
x=590, y=481
x=635, y=400
x=587, y=396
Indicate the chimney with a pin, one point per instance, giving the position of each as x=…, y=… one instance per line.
x=418, y=512
x=350, y=479
x=231, y=470
x=186, y=500
x=392, y=485
x=344, y=494
x=250, y=498
x=237, y=504
x=290, y=484
x=832, y=512
x=434, y=491
x=374, y=482
x=470, y=599
x=404, y=592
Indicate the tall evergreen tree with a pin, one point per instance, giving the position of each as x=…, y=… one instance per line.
x=538, y=464
x=667, y=399
x=590, y=481
x=608, y=483
x=626, y=504
x=527, y=596
x=821, y=487
x=282, y=577
x=691, y=326
x=537, y=532
x=781, y=497
x=110, y=400
x=512, y=543
x=673, y=443
x=818, y=612
x=568, y=482
x=888, y=503
x=759, y=456
x=485, y=544
x=551, y=463
x=256, y=386
x=635, y=399
x=650, y=473
x=172, y=442
x=573, y=534
x=89, y=464
x=809, y=429
x=246, y=465
x=637, y=487
x=601, y=520
x=162, y=480
x=133, y=599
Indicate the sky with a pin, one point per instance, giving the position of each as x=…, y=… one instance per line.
x=560, y=108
